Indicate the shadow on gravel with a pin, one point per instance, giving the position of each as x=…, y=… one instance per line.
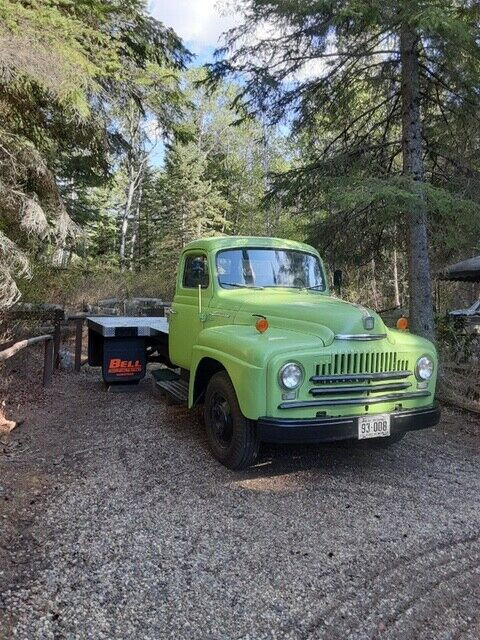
x=326, y=459
x=334, y=458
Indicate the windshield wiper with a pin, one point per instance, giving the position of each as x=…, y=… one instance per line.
x=237, y=284
x=281, y=286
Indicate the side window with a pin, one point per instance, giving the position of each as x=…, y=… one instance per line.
x=196, y=271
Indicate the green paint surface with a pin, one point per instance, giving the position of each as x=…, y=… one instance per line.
x=303, y=326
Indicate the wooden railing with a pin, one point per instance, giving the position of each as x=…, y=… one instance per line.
x=53, y=341
x=60, y=325
x=28, y=342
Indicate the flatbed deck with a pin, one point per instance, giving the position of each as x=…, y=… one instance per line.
x=123, y=346
x=132, y=327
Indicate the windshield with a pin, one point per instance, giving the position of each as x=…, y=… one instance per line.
x=269, y=268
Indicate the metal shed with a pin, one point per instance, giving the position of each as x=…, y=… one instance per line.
x=465, y=271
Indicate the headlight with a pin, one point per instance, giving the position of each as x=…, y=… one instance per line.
x=291, y=376
x=424, y=368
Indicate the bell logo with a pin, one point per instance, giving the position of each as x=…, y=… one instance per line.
x=120, y=367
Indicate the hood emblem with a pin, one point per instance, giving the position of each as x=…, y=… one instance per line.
x=369, y=322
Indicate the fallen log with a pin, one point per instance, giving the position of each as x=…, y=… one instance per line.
x=459, y=402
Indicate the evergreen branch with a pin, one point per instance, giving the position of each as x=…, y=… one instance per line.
x=446, y=86
x=352, y=123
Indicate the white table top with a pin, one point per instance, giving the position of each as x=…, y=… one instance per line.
x=107, y=325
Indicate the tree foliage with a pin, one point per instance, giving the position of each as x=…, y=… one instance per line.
x=212, y=181
x=113, y=155
x=336, y=71
x=66, y=68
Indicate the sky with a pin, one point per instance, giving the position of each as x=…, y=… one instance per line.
x=200, y=23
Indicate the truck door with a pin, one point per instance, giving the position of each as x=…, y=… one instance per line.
x=185, y=323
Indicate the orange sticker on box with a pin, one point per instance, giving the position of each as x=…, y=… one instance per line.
x=119, y=367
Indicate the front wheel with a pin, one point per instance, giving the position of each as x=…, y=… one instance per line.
x=232, y=438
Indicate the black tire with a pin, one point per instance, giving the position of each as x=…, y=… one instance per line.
x=232, y=438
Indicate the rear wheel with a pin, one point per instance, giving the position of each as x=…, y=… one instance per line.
x=232, y=438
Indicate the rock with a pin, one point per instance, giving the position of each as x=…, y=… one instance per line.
x=66, y=360
x=6, y=425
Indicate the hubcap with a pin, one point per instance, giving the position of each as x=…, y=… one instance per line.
x=221, y=420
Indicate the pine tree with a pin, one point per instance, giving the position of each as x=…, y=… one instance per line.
x=65, y=70
x=240, y=153
x=368, y=79
x=193, y=205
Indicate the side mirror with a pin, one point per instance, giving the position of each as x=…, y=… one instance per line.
x=338, y=280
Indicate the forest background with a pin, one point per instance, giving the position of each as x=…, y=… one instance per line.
x=352, y=126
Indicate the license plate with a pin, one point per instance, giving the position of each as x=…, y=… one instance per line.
x=374, y=426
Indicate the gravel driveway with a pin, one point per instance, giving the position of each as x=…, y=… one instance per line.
x=128, y=528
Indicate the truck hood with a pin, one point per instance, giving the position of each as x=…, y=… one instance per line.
x=310, y=312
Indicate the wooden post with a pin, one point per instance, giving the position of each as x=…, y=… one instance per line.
x=48, y=363
x=78, y=343
x=57, y=336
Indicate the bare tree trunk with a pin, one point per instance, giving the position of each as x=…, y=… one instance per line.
x=266, y=182
x=396, y=286
x=237, y=215
x=374, y=285
x=136, y=161
x=125, y=218
x=135, y=239
x=146, y=238
x=133, y=242
x=182, y=228
x=420, y=285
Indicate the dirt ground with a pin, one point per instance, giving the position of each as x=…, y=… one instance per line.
x=115, y=522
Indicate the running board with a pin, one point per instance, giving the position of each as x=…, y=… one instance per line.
x=168, y=383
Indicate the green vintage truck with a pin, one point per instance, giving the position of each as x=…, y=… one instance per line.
x=255, y=336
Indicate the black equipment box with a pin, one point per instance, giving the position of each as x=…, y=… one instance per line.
x=119, y=346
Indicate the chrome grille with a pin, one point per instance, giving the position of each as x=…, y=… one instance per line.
x=363, y=362
x=360, y=379
x=360, y=372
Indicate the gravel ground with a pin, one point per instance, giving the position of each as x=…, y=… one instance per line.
x=119, y=524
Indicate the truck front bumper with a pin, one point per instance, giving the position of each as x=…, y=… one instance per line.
x=285, y=430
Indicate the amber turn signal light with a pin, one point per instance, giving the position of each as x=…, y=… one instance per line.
x=261, y=325
x=402, y=324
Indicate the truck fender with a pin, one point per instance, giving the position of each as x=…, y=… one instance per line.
x=248, y=380
x=244, y=354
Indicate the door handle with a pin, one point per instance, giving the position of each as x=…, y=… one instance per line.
x=219, y=314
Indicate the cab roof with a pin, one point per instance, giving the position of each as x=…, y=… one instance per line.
x=217, y=243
